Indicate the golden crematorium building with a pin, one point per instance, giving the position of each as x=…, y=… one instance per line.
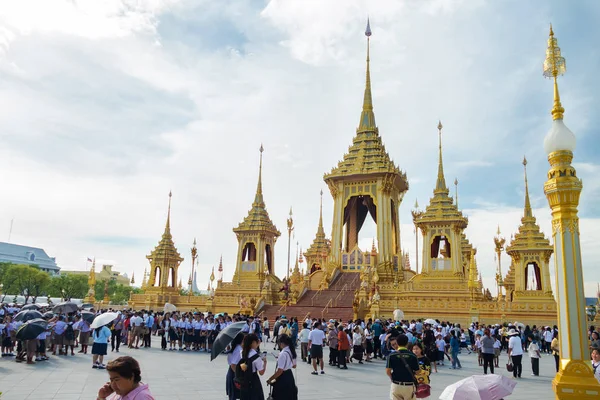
x=344, y=281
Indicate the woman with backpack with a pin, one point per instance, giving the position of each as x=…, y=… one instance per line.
x=69, y=337
x=249, y=368
x=284, y=385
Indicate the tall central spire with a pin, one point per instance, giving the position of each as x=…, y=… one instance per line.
x=554, y=65
x=320, y=230
x=168, y=224
x=528, y=212
x=367, y=118
x=258, y=198
x=440, y=186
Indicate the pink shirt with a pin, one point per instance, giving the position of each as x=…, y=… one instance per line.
x=140, y=393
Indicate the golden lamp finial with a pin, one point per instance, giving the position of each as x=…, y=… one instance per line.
x=456, y=191
x=258, y=198
x=440, y=186
x=212, y=274
x=554, y=65
x=528, y=212
x=367, y=117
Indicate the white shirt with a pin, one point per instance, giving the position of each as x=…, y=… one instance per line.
x=304, y=335
x=356, y=339
x=533, y=350
x=235, y=356
x=285, y=360
x=136, y=321
x=596, y=367
x=514, y=343
x=258, y=364
x=316, y=337
x=548, y=336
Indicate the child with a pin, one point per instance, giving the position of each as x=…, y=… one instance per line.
x=441, y=349
x=478, y=348
x=534, y=355
x=497, y=350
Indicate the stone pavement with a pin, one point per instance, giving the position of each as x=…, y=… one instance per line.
x=189, y=375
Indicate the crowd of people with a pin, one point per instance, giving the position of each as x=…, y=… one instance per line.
x=412, y=350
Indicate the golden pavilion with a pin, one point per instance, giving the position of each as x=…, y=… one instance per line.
x=343, y=281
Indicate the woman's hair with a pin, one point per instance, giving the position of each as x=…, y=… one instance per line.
x=247, y=345
x=237, y=340
x=285, y=339
x=127, y=367
x=98, y=329
x=419, y=345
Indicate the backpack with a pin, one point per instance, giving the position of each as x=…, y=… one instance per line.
x=243, y=379
x=69, y=334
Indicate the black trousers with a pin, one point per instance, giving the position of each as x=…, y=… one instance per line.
x=556, y=361
x=115, y=337
x=377, y=348
x=488, y=360
x=333, y=356
x=342, y=358
x=147, y=340
x=518, y=366
x=535, y=366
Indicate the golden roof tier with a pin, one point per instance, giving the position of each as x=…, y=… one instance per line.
x=164, y=261
x=258, y=219
x=367, y=154
x=319, y=249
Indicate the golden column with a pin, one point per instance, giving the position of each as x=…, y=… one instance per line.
x=194, y=251
x=499, y=242
x=290, y=228
x=575, y=379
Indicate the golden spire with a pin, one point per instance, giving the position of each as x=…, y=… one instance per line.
x=132, y=278
x=320, y=230
x=92, y=276
x=440, y=186
x=212, y=274
x=528, y=212
x=367, y=118
x=221, y=268
x=168, y=224
x=554, y=65
x=258, y=198
x=416, y=204
x=144, y=279
x=373, y=249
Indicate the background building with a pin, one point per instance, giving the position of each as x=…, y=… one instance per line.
x=18, y=254
x=106, y=273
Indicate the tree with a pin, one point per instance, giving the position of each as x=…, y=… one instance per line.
x=74, y=286
x=117, y=293
x=25, y=280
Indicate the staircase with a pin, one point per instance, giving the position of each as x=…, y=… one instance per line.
x=332, y=303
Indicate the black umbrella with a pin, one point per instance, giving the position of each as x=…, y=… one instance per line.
x=27, y=315
x=88, y=316
x=225, y=337
x=65, y=308
x=48, y=315
x=30, y=307
x=31, y=329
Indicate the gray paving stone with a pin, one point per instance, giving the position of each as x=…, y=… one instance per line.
x=188, y=375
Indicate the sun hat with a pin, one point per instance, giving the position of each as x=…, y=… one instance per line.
x=512, y=332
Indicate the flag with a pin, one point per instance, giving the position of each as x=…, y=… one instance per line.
x=89, y=260
x=368, y=30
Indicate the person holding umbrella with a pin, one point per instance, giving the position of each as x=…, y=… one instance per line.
x=100, y=346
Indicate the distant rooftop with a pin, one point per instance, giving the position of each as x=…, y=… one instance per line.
x=18, y=254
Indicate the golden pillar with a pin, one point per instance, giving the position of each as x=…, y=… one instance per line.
x=575, y=379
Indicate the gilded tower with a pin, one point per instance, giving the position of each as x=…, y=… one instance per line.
x=366, y=184
x=529, y=274
x=256, y=236
x=317, y=253
x=164, y=264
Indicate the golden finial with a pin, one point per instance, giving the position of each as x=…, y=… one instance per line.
x=367, y=118
x=300, y=258
x=212, y=274
x=132, y=278
x=320, y=229
x=290, y=221
x=258, y=198
x=440, y=186
x=416, y=204
x=168, y=225
x=498, y=231
x=373, y=249
x=190, y=280
x=555, y=65
x=528, y=212
x=456, y=191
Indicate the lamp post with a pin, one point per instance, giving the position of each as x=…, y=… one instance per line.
x=499, y=242
x=575, y=378
x=415, y=214
x=194, y=251
x=290, y=228
x=62, y=291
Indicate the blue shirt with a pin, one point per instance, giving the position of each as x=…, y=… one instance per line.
x=454, y=344
x=103, y=336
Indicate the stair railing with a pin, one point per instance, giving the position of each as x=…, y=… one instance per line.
x=344, y=288
x=282, y=308
x=312, y=299
x=324, y=310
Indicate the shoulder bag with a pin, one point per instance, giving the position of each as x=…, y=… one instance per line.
x=422, y=390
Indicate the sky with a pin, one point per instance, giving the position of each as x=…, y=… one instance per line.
x=107, y=106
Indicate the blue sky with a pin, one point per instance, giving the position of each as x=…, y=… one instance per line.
x=108, y=106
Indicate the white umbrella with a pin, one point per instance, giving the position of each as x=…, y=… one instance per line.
x=480, y=387
x=104, y=319
x=520, y=325
x=398, y=315
x=431, y=321
x=170, y=308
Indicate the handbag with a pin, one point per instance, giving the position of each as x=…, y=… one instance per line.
x=509, y=366
x=422, y=390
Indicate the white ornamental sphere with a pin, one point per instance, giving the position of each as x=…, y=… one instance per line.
x=559, y=137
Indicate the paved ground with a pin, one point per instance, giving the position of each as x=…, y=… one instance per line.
x=183, y=375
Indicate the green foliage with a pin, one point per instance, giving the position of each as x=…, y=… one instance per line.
x=74, y=286
x=117, y=293
x=25, y=280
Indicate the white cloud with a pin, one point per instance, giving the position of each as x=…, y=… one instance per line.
x=100, y=122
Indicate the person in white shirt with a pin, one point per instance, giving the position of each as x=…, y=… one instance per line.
x=266, y=328
x=515, y=351
x=259, y=365
x=316, y=338
x=284, y=385
x=534, y=356
x=136, y=330
x=303, y=337
x=596, y=363
x=497, y=350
